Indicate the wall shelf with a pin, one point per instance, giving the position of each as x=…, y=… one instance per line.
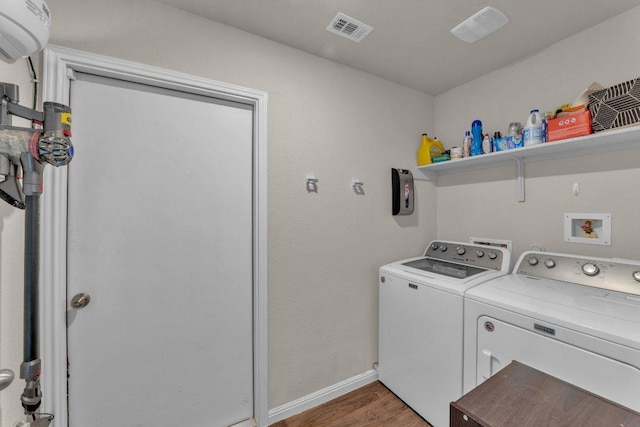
x=613, y=140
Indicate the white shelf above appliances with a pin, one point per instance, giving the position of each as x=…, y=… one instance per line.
x=613, y=140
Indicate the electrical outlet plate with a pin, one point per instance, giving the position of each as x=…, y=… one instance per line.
x=588, y=228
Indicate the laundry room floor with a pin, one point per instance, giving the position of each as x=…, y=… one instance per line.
x=372, y=405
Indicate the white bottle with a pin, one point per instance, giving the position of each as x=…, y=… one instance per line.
x=486, y=144
x=466, y=144
x=532, y=132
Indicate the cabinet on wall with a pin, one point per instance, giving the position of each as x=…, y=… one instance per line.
x=613, y=140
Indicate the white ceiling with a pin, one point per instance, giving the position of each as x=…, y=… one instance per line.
x=411, y=43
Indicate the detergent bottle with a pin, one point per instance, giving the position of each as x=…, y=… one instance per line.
x=428, y=149
x=532, y=132
x=437, y=149
x=476, y=132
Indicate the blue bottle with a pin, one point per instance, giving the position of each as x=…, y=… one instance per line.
x=476, y=131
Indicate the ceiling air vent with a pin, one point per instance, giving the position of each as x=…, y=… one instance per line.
x=348, y=27
x=480, y=25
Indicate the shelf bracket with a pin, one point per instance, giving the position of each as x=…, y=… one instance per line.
x=520, y=183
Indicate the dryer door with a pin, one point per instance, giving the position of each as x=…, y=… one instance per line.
x=499, y=343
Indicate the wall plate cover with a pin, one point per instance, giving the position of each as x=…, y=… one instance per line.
x=587, y=228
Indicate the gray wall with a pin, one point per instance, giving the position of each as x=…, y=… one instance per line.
x=324, y=248
x=484, y=202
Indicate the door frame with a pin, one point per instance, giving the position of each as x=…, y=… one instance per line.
x=59, y=67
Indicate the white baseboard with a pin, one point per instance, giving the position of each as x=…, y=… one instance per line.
x=321, y=396
x=251, y=422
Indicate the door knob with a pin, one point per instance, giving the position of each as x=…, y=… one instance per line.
x=80, y=300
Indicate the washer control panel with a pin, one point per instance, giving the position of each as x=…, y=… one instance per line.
x=606, y=273
x=471, y=254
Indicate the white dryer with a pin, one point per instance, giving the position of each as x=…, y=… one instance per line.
x=420, y=331
x=573, y=317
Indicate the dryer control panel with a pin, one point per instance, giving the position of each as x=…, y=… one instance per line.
x=607, y=273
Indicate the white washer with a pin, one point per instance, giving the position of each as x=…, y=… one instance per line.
x=573, y=317
x=420, y=338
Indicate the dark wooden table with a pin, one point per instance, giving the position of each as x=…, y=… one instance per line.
x=520, y=396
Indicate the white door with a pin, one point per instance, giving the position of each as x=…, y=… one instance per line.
x=160, y=238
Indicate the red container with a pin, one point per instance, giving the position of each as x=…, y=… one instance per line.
x=578, y=124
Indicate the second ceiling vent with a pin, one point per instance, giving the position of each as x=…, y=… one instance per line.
x=480, y=25
x=348, y=27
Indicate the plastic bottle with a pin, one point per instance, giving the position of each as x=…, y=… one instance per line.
x=486, y=144
x=514, y=136
x=476, y=131
x=429, y=149
x=499, y=143
x=532, y=132
x=466, y=144
x=424, y=157
x=437, y=148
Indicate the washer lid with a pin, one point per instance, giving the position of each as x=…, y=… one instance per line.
x=451, y=283
x=449, y=269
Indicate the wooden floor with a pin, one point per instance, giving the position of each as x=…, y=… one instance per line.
x=372, y=405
